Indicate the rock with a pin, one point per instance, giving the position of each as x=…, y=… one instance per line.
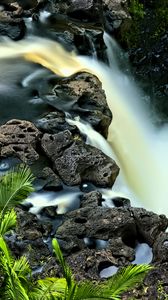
x=86, y=10
x=160, y=248
x=149, y=224
x=91, y=199
x=13, y=28
x=54, y=122
x=19, y=138
x=87, y=264
x=75, y=161
x=98, y=223
x=115, y=11
x=52, y=181
x=28, y=239
x=81, y=95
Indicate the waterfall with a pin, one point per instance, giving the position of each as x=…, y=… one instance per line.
x=134, y=140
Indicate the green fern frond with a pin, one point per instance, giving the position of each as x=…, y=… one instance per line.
x=22, y=269
x=5, y=251
x=15, y=186
x=13, y=286
x=88, y=290
x=7, y=222
x=65, y=268
x=49, y=289
x=126, y=279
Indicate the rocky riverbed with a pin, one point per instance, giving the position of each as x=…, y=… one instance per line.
x=35, y=130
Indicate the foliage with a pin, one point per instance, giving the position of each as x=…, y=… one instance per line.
x=162, y=295
x=17, y=282
x=15, y=186
x=136, y=9
x=161, y=18
x=130, y=28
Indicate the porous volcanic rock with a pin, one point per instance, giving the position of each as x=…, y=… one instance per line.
x=118, y=226
x=19, y=138
x=54, y=122
x=76, y=161
x=80, y=95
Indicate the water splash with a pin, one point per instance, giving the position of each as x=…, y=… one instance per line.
x=133, y=138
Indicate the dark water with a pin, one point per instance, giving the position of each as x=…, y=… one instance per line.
x=16, y=100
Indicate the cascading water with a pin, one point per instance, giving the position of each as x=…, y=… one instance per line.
x=133, y=138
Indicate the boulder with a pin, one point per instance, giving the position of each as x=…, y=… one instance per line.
x=75, y=161
x=80, y=95
x=19, y=138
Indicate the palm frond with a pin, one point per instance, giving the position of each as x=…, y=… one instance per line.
x=88, y=290
x=15, y=186
x=22, y=269
x=13, y=288
x=5, y=251
x=7, y=222
x=126, y=279
x=49, y=289
x=65, y=268
x=113, y=287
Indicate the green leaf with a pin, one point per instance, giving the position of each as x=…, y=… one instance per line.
x=5, y=251
x=13, y=288
x=49, y=289
x=15, y=186
x=65, y=268
x=126, y=279
x=7, y=222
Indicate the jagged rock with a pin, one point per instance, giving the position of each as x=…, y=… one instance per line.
x=28, y=239
x=115, y=11
x=88, y=263
x=87, y=10
x=54, y=122
x=81, y=95
x=19, y=138
x=75, y=161
x=148, y=224
x=160, y=248
x=13, y=28
x=52, y=181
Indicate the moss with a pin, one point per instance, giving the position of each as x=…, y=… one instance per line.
x=136, y=9
x=162, y=294
x=161, y=18
x=147, y=24
x=130, y=28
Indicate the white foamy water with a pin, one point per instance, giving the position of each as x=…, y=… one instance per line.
x=62, y=202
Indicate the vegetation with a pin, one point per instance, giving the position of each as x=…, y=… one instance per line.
x=136, y=9
x=147, y=23
x=130, y=28
x=17, y=282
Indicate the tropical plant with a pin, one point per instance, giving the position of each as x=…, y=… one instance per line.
x=17, y=283
x=15, y=186
x=68, y=288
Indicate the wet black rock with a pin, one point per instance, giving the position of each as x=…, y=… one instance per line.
x=148, y=224
x=19, y=138
x=86, y=10
x=51, y=181
x=54, y=122
x=80, y=95
x=28, y=238
x=13, y=28
x=75, y=161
